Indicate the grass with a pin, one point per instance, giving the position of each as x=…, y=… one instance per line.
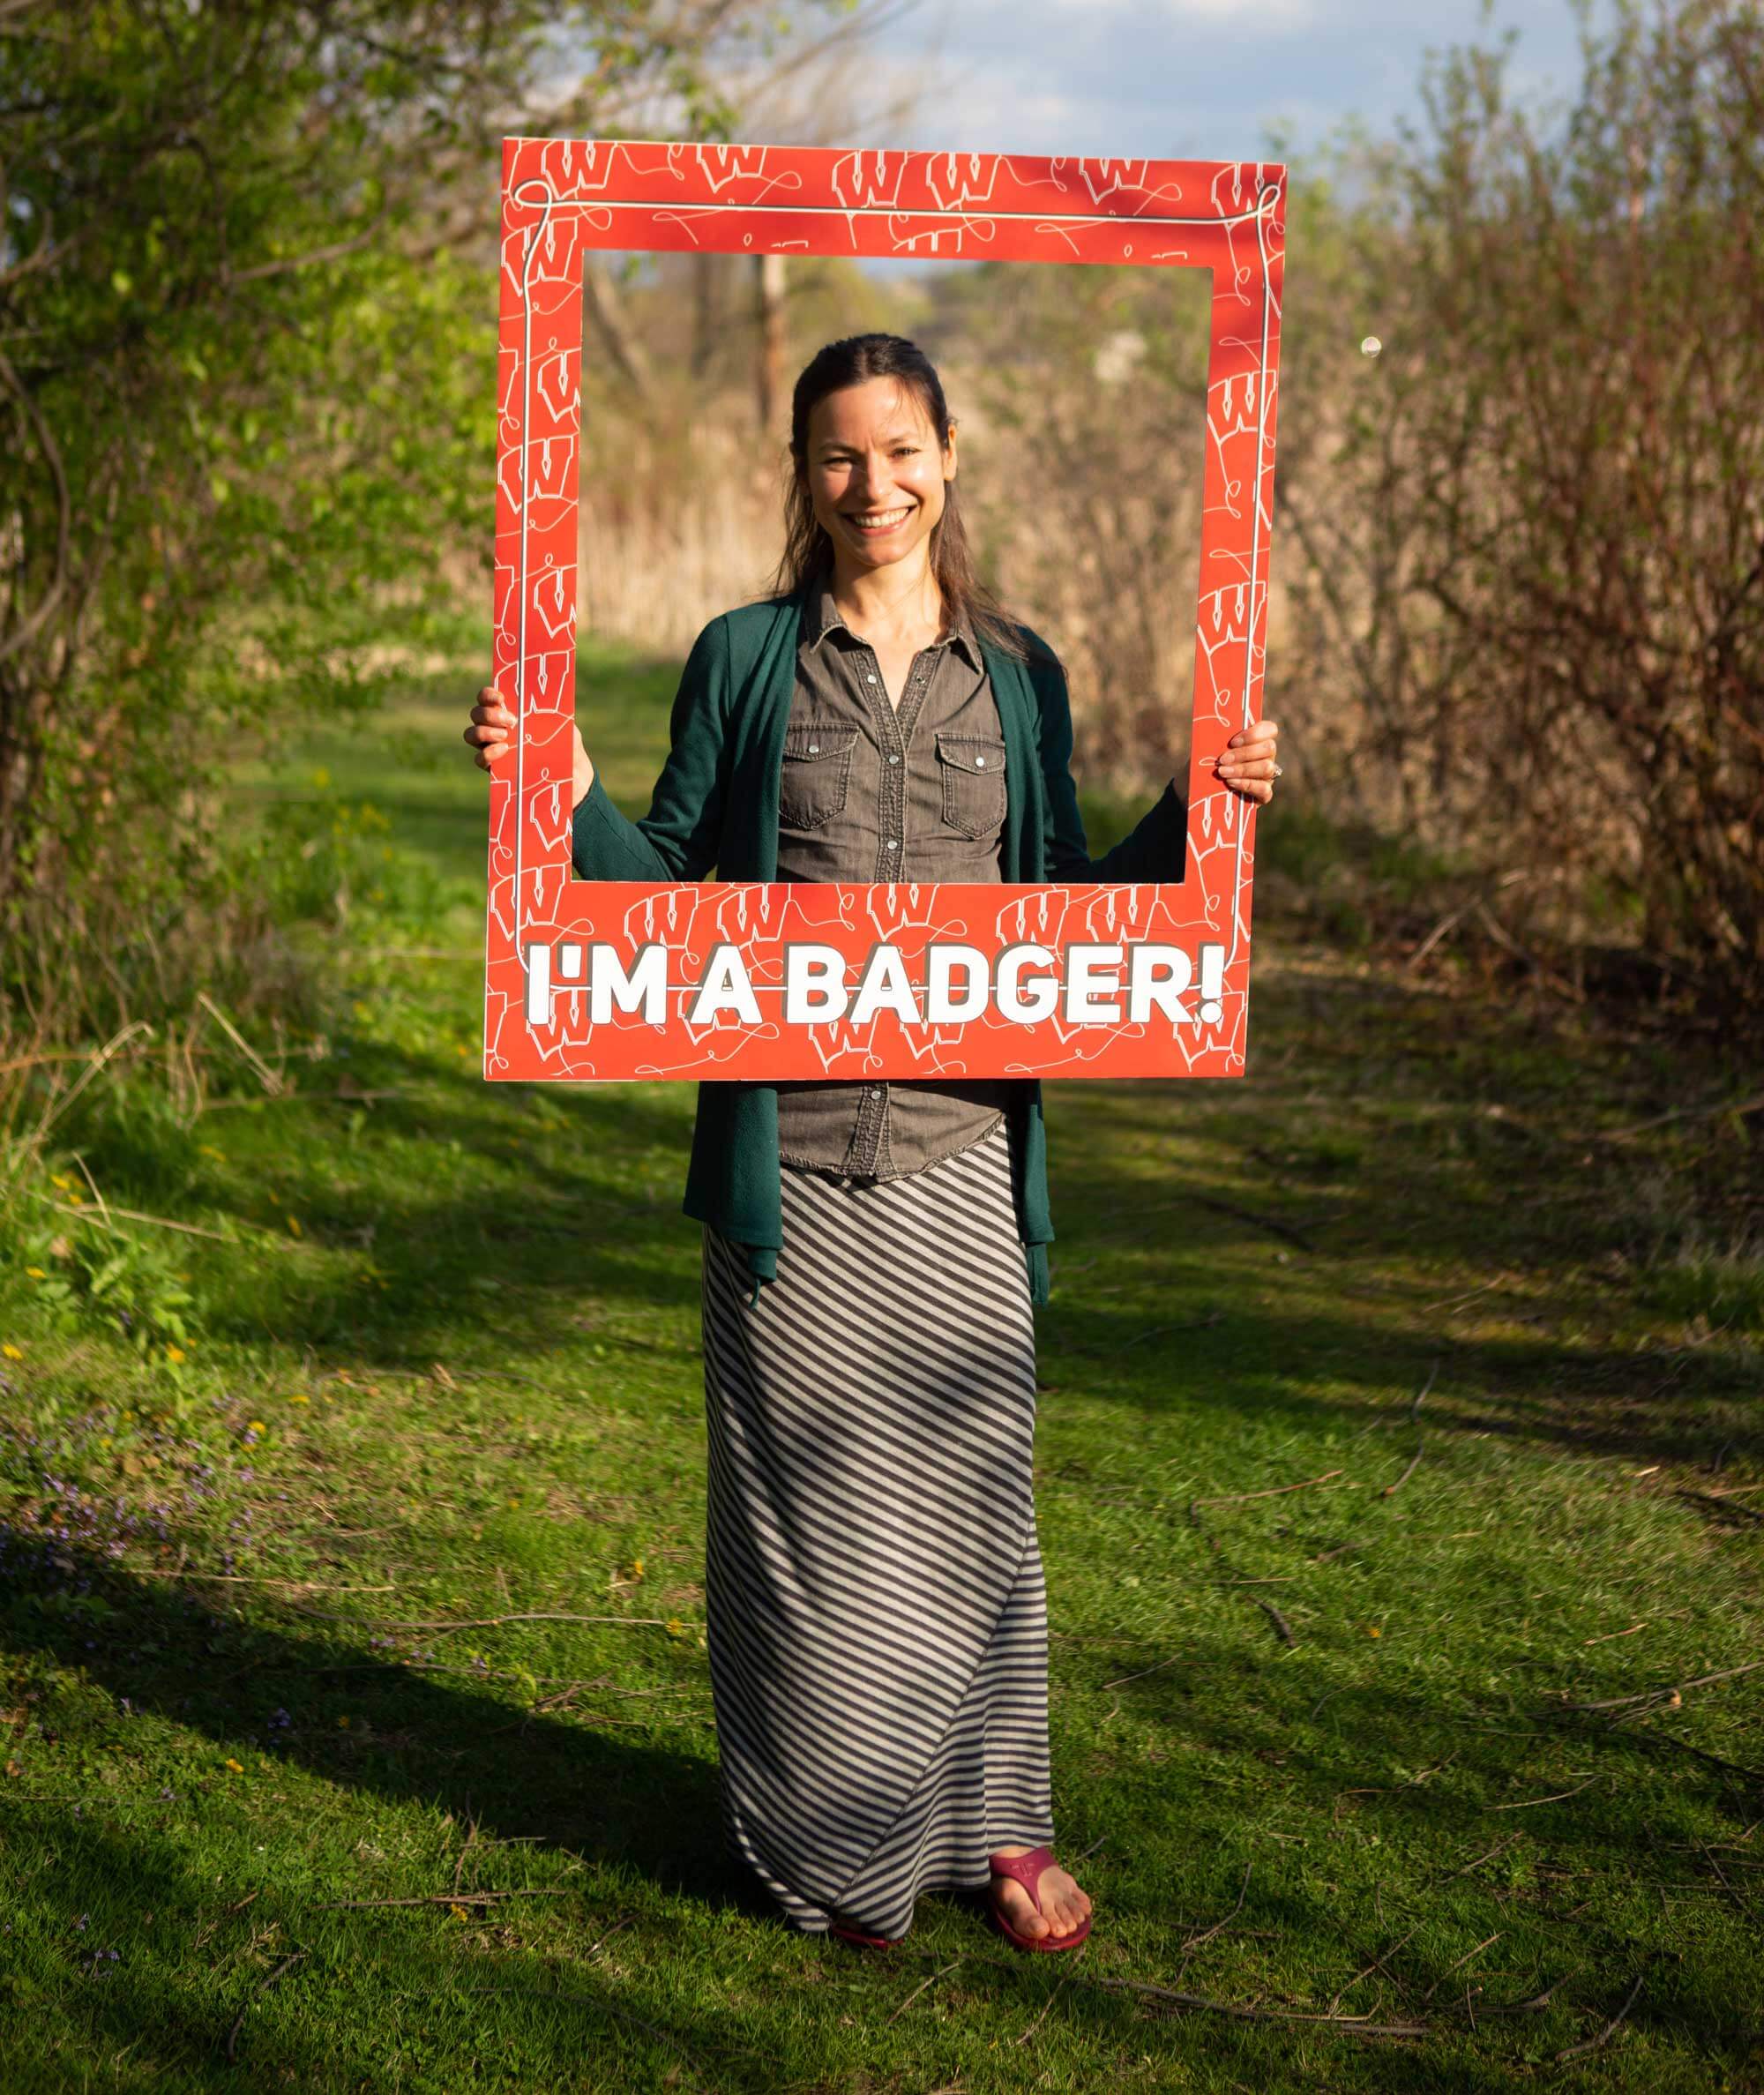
x=1397, y=1404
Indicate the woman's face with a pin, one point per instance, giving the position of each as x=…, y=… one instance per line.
x=876, y=473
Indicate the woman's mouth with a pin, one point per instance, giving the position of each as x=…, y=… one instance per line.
x=877, y=523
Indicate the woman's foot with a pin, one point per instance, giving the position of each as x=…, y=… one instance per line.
x=1065, y=1906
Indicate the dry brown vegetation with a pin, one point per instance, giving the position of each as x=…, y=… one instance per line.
x=1519, y=615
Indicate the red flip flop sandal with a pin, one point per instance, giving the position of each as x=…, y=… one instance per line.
x=1026, y=1869
x=858, y=1939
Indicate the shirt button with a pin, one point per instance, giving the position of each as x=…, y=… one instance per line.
x=892, y=845
x=815, y=749
x=872, y=679
x=876, y=1094
x=980, y=763
x=893, y=759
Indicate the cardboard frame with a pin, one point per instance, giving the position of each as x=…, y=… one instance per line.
x=552, y=937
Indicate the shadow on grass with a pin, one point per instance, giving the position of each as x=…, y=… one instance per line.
x=647, y=1811
x=547, y=1199
x=624, y=1809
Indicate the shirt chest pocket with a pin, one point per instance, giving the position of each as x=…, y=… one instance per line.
x=973, y=771
x=817, y=776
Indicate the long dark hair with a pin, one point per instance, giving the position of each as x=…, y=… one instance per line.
x=807, y=558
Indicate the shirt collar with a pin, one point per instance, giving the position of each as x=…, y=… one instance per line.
x=821, y=616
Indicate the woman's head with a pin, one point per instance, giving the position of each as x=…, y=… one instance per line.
x=873, y=483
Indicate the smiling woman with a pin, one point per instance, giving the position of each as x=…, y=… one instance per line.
x=873, y=1585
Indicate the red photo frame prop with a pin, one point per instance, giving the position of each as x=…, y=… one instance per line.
x=715, y=980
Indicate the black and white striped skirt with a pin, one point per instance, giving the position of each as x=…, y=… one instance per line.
x=877, y=1614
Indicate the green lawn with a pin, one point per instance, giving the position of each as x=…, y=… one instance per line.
x=1401, y=1485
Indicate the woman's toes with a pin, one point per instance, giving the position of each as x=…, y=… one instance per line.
x=1018, y=1908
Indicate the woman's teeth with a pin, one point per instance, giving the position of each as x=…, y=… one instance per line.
x=883, y=520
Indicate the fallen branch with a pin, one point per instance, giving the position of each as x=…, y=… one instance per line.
x=441, y=1898
x=1692, y=1112
x=1526, y=1803
x=159, y=1222
x=1376, y=1964
x=1144, y=1669
x=286, y=1964
x=1282, y=1629
x=487, y=1621
x=272, y=1083
x=1727, y=1512
x=1270, y=1223
x=244, y=1578
x=1593, y=2043
x=1206, y=1934
x=1351, y=2025
x=1654, y=1694
x=1464, y=1959
x=1274, y=1491
x=919, y=1988
x=1204, y=1323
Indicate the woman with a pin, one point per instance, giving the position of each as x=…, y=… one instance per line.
x=874, y=1595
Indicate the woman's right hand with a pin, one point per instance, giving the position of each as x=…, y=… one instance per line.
x=491, y=735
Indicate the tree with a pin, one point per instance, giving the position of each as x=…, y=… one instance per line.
x=1539, y=537
x=247, y=384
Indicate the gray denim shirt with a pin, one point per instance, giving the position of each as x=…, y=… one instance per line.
x=873, y=792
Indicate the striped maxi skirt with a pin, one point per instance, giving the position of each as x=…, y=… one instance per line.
x=876, y=1611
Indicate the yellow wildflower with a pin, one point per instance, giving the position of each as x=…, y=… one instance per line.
x=238, y=1767
x=294, y=1225
x=12, y=1351
x=174, y=1354
x=36, y=1273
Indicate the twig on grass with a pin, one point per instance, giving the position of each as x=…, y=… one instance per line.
x=443, y=1898
x=1500, y=1848
x=1270, y=1223
x=1206, y=1934
x=1350, y=2024
x=159, y=1222
x=1414, y=1411
x=1463, y=1960
x=1282, y=1629
x=215, y=1105
x=1204, y=1323
x=287, y=1963
x=1719, y=1501
x=1575, y=2051
x=488, y=1621
x=267, y=1077
x=1526, y=1803
x=1376, y=1964
x=246, y=1578
x=1654, y=1694
x=918, y=1989
x=458, y=1867
x=1694, y=1113
x=1042, y=2017
x=1274, y=1491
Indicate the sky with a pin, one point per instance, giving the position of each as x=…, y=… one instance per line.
x=1207, y=79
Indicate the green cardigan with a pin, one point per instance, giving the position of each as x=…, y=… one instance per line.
x=716, y=806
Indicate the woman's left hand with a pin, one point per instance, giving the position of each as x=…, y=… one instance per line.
x=1248, y=765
